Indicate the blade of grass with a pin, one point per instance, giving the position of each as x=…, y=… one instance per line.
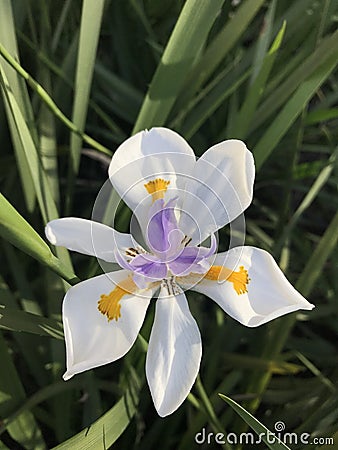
x=219, y=48
x=264, y=434
x=21, y=321
x=64, y=78
x=248, y=109
x=106, y=430
x=41, y=396
x=40, y=182
x=8, y=38
x=264, y=40
x=22, y=297
x=310, y=196
x=188, y=37
x=24, y=429
x=15, y=229
x=89, y=36
x=43, y=192
x=47, y=147
x=309, y=67
x=291, y=111
x=36, y=87
x=223, y=89
x=61, y=406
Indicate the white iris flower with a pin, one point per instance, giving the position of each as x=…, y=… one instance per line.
x=179, y=203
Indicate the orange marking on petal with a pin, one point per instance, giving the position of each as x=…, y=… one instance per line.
x=239, y=279
x=157, y=188
x=109, y=305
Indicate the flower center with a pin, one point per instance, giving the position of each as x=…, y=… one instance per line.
x=239, y=279
x=109, y=305
x=157, y=188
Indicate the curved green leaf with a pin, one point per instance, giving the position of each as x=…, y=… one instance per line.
x=263, y=433
x=108, y=428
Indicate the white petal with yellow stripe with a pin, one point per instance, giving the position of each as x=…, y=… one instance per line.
x=261, y=295
x=99, y=336
x=159, y=153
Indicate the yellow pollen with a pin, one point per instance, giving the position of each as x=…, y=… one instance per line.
x=157, y=188
x=239, y=279
x=109, y=305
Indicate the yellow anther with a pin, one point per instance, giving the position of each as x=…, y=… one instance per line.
x=157, y=188
x=109, y=305
x=239, y=279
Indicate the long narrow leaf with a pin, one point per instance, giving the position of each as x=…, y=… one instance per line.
x=217, y=51
x=106, y=430
x=24, y=429
x=186, y=40
x=15, y=229
x=264, y=434
x=16, y=320
x=291, y=111
x=8, y=38
x=89, y=37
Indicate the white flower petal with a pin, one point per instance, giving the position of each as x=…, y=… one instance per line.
x=88, y=237
x=220, y=189
x=270, y=295
x=91, y=340
x=174, y=353
x=157, y=153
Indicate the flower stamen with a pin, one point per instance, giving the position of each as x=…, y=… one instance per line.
x=109, y=305
x=239, y=279
x=157, y=188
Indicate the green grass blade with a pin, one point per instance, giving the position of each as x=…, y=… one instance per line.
x=264, y=40
x=16, y=320
x=262, y=432
x=45, y=97
x=24, y=429
x=309, y=67
x=220, y=47
x=15, y=229
x=310, y=196
x=47, y=146
x=40, y=182
x=321, y=115
x=88, y=41
x=42, y=395
x=124, y=98
x=256, y=90
x=24, y=298
x=106, y=430
x=209, y=104
x=291, y=111
x=315, y=264
x=8, y=38
x=188, y=37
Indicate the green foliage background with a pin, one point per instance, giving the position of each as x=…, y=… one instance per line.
x=77, y=78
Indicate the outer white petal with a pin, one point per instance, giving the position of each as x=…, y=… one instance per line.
x=157, y=153
x=91, y=340
x=88, y=237
x=220, y=189
x=174, y=353
x=270, y=295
